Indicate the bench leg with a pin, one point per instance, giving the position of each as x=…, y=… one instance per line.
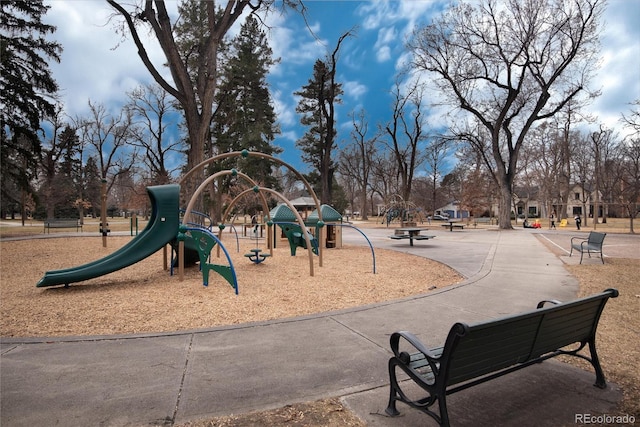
x=444, y=414
x=391, y=410
x=595, y=361
x=396, y=394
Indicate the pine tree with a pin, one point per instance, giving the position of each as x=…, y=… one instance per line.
x=318, y=106
x=26, y=85
x=317, y=101
x=245, y=118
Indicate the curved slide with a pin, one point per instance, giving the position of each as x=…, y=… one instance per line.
x=161, y=229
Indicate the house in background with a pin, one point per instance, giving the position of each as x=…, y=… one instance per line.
x=528, y=202
x=581, y=201
x=304, y=205
x=453, y=210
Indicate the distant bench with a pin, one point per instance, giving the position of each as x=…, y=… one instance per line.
x=481, y=220
x=473, y=354
x=62, y=223
x=592, y=244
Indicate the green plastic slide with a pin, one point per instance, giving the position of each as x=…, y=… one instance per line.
x=161, y=229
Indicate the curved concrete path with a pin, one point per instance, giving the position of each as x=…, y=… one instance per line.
x=167, y=379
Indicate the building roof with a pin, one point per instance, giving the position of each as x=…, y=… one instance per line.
x=303, y=202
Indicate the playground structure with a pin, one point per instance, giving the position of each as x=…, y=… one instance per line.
x=160, y=230
x=257, y=189
x=191, y=238
x=404, y=211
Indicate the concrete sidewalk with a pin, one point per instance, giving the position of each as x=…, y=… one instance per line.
x=173, y=378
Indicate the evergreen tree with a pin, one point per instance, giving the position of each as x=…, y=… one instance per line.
x=92, y=183
x=317, y=105
x=245, y=118
x=317, y=99
x=25, y=86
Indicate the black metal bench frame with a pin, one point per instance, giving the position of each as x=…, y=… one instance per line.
x=592, y=244
x=62, y=223
x=473, y=354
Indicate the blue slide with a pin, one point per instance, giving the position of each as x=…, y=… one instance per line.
x=161, y=229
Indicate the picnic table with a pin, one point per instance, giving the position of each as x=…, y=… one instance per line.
x=453, y=224
x=411, y=233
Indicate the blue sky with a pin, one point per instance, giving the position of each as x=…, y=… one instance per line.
x=97, y=65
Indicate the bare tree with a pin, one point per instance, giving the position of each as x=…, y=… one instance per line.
x=630, y=178
x=603, y=148
x=405, y=133
x=356, y=160
x=151, y=109
x=632, y=121
x=630, y=181
x=436, y=153
x=384, y=178
x=509, y=64
x=109, y=136
x=547, y=149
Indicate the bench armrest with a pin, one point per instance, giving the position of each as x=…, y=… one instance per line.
x=580, y=238
x=430, y=356
x=550, y=301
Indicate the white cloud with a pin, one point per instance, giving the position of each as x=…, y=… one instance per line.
x=386, y=36
x=354, y=89
x=95, y=63
x=619, y=76
x=383, y=54
x=284, y=111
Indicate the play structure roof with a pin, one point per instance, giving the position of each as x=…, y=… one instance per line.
x=329, y=214
x=282, y=213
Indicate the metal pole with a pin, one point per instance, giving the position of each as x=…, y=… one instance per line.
x=103, y=213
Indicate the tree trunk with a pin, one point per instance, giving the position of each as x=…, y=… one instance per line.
x=504, y=211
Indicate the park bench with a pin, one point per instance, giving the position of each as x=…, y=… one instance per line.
x=481, y=220
x=62, y=223
x=592, y=244
x=474, y=354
